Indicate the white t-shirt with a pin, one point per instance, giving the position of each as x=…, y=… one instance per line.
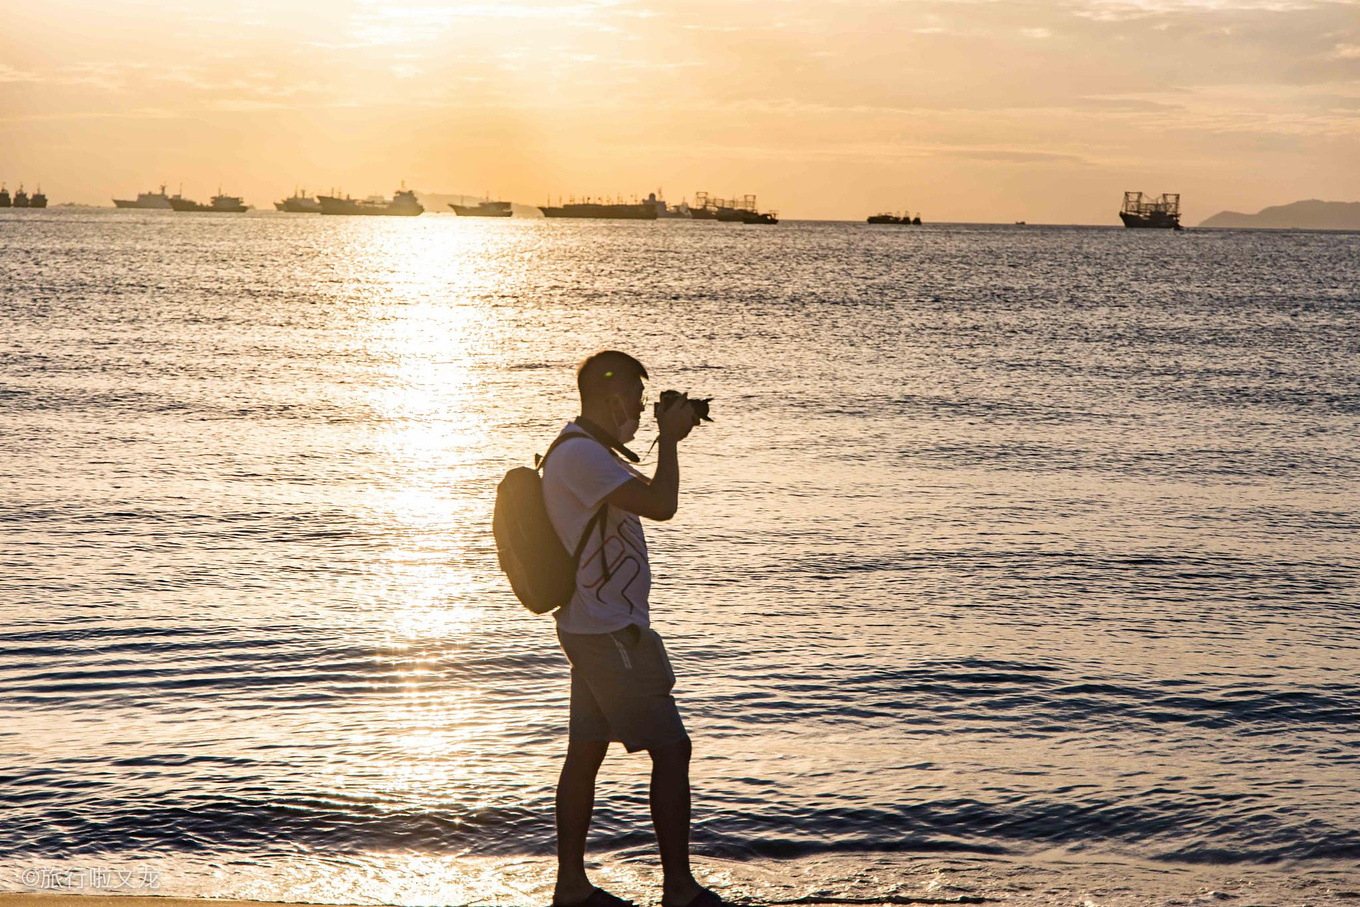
x=577, y=478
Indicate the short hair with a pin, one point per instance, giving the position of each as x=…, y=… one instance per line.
x=603, y=372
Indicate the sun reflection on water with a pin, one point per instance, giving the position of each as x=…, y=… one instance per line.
x=421, y=337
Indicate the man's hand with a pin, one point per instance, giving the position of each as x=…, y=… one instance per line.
x=676, y=420
x=657, y=499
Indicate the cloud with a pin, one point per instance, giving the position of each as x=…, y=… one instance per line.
x=10, y=74
x=1126, y=104
x=1007, y=156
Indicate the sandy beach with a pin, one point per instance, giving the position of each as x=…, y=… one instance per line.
x=52, y=899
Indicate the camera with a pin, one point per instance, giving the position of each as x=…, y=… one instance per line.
x=700, y=405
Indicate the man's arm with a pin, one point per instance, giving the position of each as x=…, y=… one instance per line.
x=658, y=499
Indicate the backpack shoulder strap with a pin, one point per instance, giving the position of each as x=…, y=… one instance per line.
x=540, y=461
x=597, y=519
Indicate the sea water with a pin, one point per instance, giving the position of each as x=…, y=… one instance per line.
x=1017, y=562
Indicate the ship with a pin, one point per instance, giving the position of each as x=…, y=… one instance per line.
x=666, y=212
x=747, y=216
x=602, y=210
x=1141, y=211
x=681, y=211
x=158, y=200
x=402, y=204
x=486, y=208
x=38, y=200
x=905, y=220
x=732, y=211
x=5, y=200
x=229, y=204
x=703, y=207
x=21, y=197
x=299, y=203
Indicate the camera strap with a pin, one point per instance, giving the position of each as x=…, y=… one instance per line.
x=604, y=437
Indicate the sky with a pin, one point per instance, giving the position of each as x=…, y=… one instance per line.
x=961, y=110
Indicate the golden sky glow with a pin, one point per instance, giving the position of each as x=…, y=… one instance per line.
x=997, y=111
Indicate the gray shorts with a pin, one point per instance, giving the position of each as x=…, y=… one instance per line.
x=621, y=689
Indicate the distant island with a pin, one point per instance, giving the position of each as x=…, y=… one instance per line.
x=1307, y=215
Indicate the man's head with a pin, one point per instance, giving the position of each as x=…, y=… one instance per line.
x=611, y=389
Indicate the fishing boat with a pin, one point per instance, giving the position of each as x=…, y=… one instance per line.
x=607, y=209
x=1144, y=211
x=486, y=208
x=227, y=204
x=299, y=203
x=155, y=200
x=732, y=211
x=402, y=204
x=703, y=207
x=666, y=212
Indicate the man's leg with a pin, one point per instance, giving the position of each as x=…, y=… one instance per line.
x=670, y=816
x=575, y=803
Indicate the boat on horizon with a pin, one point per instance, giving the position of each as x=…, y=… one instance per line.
x=744, y=211
x=602, y=210
x=905, y=220
x=299, y=203
x=37, y=199
x=665, y=211
x=486, y=208
x=154, y=200
x=730, y=210
x=20, y=197
x=227, y=204
x=402, y=204
x=1145, y=212
x=5, y=200
x=703, y=208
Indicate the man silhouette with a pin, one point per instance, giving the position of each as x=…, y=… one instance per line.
x=621, y=679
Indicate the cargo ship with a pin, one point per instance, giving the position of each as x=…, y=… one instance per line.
x=228, y=204
x=402, y=204
x=487, y=208
x=20, y=197
x=905, y=220
x=299, y=203
x=157, y=200
x=1163, y=213
x=38, y=200
x=604, y=210
x=5, y=200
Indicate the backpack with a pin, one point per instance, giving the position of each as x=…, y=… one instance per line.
x=541, y=571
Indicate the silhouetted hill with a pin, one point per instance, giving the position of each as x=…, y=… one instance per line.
x=1308, y=215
